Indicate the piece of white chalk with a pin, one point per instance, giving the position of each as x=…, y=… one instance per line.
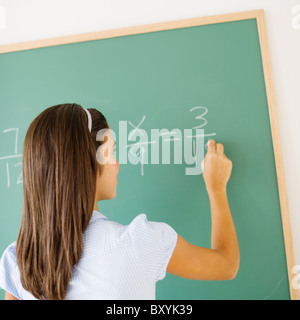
x=202, y=165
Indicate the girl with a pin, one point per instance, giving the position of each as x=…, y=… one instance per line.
x=67, y=249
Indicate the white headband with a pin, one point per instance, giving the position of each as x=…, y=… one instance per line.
x=89, y=119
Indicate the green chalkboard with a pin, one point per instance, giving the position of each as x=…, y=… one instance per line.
x=209, y=76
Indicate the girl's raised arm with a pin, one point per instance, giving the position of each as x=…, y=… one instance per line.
x=221, y=262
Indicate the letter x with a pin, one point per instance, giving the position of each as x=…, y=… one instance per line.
x=136, y=127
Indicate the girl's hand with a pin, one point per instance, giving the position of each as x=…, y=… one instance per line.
x=216, y=167
x=221, y=262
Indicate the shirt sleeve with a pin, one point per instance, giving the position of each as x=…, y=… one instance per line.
x=153, y=245
x=9, y=278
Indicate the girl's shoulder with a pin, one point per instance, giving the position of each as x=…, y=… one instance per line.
x=9, y=256
x=9, y=272
x=153, y=244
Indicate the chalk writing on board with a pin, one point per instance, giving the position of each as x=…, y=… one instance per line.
x=199, y=154
x=13, y=156
x=138, y=150
x=204, y=121
x=202, y=125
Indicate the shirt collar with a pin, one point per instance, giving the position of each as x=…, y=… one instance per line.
x=97, y=214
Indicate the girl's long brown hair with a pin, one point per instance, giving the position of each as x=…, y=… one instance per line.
x=59, y=183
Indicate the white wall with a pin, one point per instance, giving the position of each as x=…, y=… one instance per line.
x=37, y=19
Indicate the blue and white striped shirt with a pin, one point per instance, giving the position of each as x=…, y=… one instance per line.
x=118, y=262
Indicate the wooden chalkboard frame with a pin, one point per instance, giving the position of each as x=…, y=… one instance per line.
x=260, y=17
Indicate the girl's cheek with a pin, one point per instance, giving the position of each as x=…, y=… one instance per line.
x=105, y=155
